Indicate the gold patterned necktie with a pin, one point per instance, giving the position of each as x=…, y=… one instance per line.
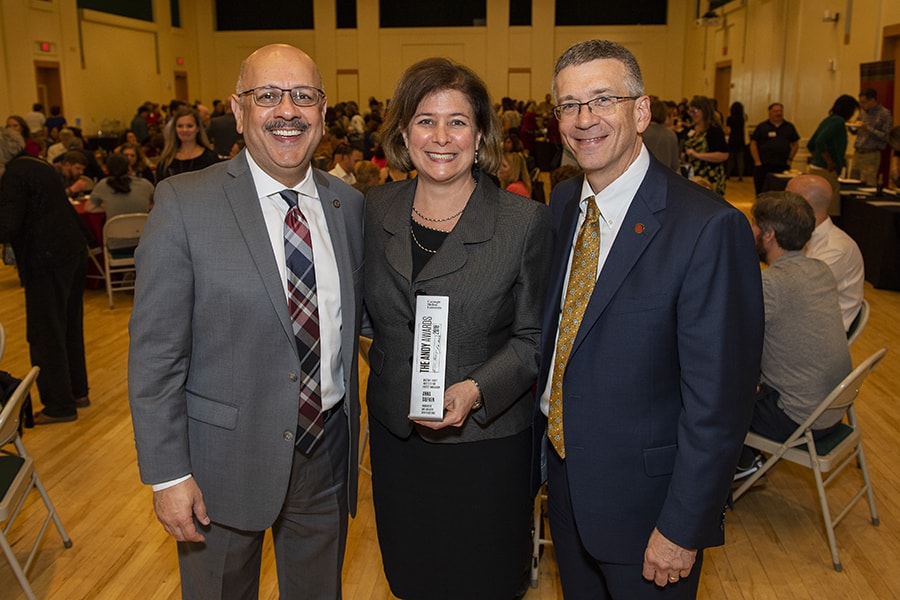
x=582, y=276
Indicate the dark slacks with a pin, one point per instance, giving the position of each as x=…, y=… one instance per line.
x=770, y=420
x=55, y=325
x=310, y=534
x=581, y=575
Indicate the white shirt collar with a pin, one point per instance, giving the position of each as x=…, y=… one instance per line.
x=266, y=185
x=613, y=201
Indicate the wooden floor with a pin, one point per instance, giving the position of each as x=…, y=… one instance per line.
x=776, y=546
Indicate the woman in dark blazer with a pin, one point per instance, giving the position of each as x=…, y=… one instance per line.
x=451, y=497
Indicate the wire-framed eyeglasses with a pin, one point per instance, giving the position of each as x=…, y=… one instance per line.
x=268, y=96
x=598, y=105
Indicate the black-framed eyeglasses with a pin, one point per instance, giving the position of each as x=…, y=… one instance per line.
x=596, y=106
x=268, y=96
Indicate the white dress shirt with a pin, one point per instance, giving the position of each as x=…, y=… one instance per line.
x=328, y=285
x=835, y=248
x=339, y=172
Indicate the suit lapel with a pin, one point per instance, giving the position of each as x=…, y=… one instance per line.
x=241, y=194
x=396, y=222
x=476, y=225
x=638, y=229
x=337, y=230
x=565, y=237
x=337, y=227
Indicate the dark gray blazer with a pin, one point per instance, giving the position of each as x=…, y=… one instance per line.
x=492, y=266
x=213, y=357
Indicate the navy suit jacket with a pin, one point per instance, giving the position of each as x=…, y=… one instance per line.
x=658, y=391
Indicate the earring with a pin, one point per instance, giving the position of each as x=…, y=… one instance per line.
x=476, y=156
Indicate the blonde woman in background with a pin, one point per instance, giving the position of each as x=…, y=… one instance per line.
x=513, y=174
x=187, y=147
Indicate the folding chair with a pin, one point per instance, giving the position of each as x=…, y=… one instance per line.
x=120, y=236
x=537, y=531
x=94, y=255
x=830, y=453
x=364, y=344
x=17, y=478
x=859, y=323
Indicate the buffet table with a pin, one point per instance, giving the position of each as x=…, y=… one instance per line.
x=873, y=221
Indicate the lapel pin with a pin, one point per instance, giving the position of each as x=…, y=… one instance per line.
x=639, y=228
x=337, y=203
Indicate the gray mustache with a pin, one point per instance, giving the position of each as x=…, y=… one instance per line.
x=303, y=126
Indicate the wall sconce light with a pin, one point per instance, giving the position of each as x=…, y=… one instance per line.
x=830, y=18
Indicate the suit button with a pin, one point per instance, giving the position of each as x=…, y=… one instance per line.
x=293, y=376
x=421, y=292
x=412, y=326
x=289, y=436
x=410, y=361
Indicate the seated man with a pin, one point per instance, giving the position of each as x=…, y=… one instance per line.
x=345, y=158
x=70, y=168
x=832, y=246
x=805, y=352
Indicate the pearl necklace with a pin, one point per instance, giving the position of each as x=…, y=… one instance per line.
x=418, y=243
x=450, y=218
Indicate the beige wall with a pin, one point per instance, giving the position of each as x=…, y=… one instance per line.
x=782, y=50
x=778, y=50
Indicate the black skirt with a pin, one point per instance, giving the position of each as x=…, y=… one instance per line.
x=454, y=520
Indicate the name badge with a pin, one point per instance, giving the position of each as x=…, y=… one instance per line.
x=773, y=133
x=426, y=401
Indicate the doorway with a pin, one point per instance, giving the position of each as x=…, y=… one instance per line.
x=347, y=85
x=723, y=87
x=519, y=83
x=181, y=86
x=49, y=85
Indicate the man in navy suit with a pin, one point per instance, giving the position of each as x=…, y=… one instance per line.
x=654, y=394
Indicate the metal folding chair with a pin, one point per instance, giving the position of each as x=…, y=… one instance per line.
x=829, y=454
x=18, y=477
x=120, y=235
x=859, y=323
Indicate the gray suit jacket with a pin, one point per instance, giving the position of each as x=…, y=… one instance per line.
x=492, y=266
x=213, y=357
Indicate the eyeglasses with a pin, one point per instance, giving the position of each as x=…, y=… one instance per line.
x=596, y=106
x=269, y=96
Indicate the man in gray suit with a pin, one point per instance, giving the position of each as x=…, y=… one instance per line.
x=221, y=379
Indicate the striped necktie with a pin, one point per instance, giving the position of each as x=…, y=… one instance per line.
x=582, y=277
x=303, y=306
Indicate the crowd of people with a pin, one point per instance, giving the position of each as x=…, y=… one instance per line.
x=549, y=335
x=706, y=146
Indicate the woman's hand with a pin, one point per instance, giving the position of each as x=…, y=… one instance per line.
x=458, y=401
